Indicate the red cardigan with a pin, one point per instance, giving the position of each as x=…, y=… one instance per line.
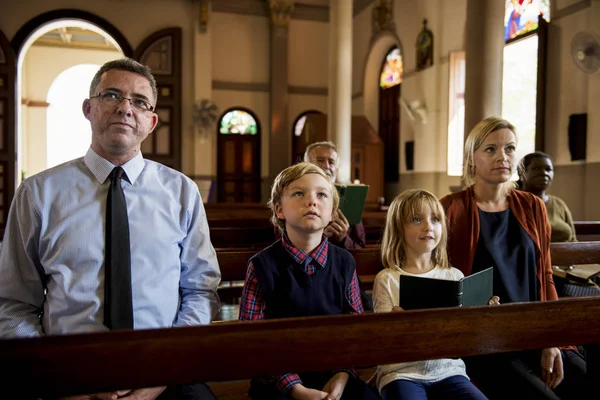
x=463, y=232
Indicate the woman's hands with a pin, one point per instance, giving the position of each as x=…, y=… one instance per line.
x=552, y=367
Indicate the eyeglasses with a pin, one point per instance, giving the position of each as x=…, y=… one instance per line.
x=114, y=99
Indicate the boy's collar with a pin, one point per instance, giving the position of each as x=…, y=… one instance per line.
x=319, y=254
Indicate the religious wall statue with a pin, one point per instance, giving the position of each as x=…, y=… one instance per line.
x=383, y=17
x=424, y=48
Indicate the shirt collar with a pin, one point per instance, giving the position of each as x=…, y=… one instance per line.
x=318, y=255
x=101, y=167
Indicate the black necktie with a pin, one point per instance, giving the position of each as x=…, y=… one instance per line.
x=118, y=308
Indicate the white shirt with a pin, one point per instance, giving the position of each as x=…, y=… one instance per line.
x=55, y=238
x=386, y=294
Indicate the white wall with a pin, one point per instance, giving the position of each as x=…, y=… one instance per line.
x=240, y=50
x=308, y=56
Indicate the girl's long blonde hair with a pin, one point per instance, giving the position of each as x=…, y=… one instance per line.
x=405, y=207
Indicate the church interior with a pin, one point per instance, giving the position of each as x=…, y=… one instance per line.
x=246, y=85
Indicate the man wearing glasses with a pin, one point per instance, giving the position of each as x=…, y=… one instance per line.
x=65, y=263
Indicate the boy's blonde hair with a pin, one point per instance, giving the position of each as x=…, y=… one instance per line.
x=405, y=207
x=289, y=175
x=474, y=141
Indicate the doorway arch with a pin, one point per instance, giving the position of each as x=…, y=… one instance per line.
x=238, y=156
x=24, y=34
x=34, y=82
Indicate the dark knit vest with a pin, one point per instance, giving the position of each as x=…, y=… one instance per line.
x=289, y=292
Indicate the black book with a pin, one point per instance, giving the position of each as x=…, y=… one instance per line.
x=473, y=290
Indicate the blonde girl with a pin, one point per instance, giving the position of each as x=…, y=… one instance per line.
x=414, y=243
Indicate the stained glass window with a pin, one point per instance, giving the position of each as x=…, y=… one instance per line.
x=391, y=73
x=238, y=122
x=521, y=16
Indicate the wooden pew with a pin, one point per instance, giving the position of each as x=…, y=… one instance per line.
x=368, y=261
x=257, y=233
x=587, y=231
x=74, y=364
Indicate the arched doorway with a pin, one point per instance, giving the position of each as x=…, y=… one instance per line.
x=300, y=141
x=390, y=82
x=238, y=157
x=68, y=132
x=161, y=51
x=56, y=68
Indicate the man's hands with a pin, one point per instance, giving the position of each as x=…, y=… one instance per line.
x=338, y=229
x=138, y=394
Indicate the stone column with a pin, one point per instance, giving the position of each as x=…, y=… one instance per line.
x=280, y=147
x=205, y=144
x=484, y=48
x=339, y=118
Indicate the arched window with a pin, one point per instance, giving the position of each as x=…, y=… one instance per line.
x=238, y=159
x=522, y=104
x=390, y=80
x=521, y=16
x=391, y=72
x=238, y=122
x=299, y=140
x=69, y=132
x=524, y=64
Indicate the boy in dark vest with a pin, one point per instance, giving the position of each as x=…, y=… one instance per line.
x=301, y=275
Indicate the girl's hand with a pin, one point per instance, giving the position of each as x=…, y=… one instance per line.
x=397, y=308
x=494, y=301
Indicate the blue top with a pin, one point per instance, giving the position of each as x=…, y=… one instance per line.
x=504, y=244
x=55, y=237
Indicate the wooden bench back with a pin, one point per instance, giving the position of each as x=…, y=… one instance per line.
x=233, y=263
x=107, y=361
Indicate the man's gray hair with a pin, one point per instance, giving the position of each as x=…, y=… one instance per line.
x=312, y=146
x=125, y=64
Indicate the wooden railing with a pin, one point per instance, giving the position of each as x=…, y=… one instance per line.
x=74, y=364
x=233, y=263
x=61, y=365
x=243, y=231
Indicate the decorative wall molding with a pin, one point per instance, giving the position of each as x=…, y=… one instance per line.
x=307, y=12
x=573, y=8
x=246, y=7
x=311, y=13
x=266, y=88
x=34, y=103
x=281, y=12
x=308, y=90
x=241, y=86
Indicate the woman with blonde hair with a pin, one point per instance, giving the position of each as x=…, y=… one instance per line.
x=492, y=224
x=414, y=244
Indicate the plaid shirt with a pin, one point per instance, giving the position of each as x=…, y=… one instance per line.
x=252, y=306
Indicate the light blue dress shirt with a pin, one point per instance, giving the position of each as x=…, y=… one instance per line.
x=55, y=238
